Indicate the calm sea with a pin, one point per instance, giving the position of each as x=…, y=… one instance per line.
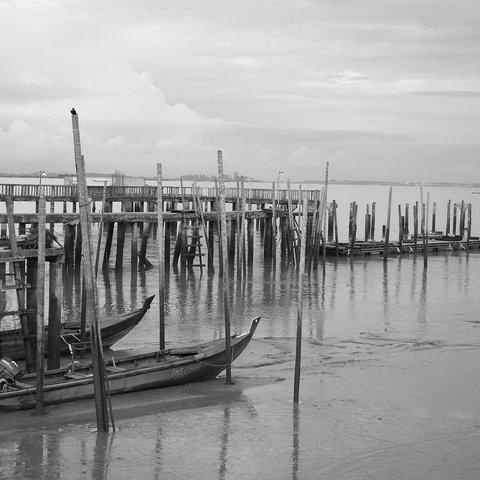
x=345, y=298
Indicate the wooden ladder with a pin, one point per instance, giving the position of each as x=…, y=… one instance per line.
x=193, y=236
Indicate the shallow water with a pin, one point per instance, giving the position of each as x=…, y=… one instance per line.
x=256, y=435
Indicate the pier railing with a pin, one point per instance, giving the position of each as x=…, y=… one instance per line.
x=21, y=192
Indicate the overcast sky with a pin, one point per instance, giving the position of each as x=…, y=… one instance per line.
x=382, y=89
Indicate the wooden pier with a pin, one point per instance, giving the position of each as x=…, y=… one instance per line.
x=191, y=219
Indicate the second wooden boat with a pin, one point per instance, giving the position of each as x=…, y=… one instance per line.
x=112, y=329
x=164, y=368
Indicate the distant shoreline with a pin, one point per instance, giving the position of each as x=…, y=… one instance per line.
x=211, y=178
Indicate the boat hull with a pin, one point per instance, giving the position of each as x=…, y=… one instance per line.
x=112, y=329
x=153, y=370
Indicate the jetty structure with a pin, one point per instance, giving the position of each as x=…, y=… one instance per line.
x=191, y=219
x=128, y=219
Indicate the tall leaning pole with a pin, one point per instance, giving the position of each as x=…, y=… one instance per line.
x=99, y=376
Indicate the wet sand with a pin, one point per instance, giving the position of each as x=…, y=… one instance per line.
x=372, y=407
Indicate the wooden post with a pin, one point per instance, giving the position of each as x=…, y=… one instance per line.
x=54, y=314
x=415, y=226
x=424, y=237
x=301, y=273
x=367, y=223
x=454, y=227
x=274, y=225
x=226, y=296
x=134, y=246
x=242, y=229
x=100, y=228
x=78, y=248
x=121, y=229
x=447, y=229
x=40, y=373
x=99, y=376
x=422, y=226
x=161, y=257
x=387, y=229
x=469, y=225
x=335, y=224
x=434, y=217
x=372, y=234
x=353, y=225
x=400, y=228
x=250, y=240
x=31, y=278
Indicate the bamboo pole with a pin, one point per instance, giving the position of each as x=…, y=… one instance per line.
x=225, y=270
x=301, y=272
x=99, y=376
x=40, y=373
x=161, y=256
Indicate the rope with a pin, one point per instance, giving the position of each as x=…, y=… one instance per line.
x=221, y=364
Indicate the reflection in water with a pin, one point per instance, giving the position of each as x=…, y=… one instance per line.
x=222, y=468
x=29, y=457
x=386, y=302
x=422, y=313
x=102, y=455
x=53, y=457
x=295, y=441
x=158, y=454
x=354, y=294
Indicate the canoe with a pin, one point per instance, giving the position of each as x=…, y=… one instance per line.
x=112, y=329
x=126, y=373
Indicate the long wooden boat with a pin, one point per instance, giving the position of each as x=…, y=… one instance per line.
x=126, y=373
x=112, y=329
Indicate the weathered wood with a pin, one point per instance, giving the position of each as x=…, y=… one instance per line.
x=161, y=257
x=225, y=269
x=301, y=273
x=40, y=300
x=97, y=351
x=447, y=227
x=54, y=314
x=387, y=229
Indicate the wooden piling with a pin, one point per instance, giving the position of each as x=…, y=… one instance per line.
x=387, y=228
x=161, y=257
x=367, y=223
x=372, y=233
x=447, y=227
x=301, y=273
x=40, y=365
x=99, y=375
x=225, y=289
x=54, y=313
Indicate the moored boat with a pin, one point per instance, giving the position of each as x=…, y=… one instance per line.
x=126, y=373
x=112, y=329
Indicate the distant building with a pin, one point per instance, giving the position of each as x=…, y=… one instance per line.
x=117, y=179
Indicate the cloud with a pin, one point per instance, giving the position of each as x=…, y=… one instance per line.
x=451, y=93
x=275, y=84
